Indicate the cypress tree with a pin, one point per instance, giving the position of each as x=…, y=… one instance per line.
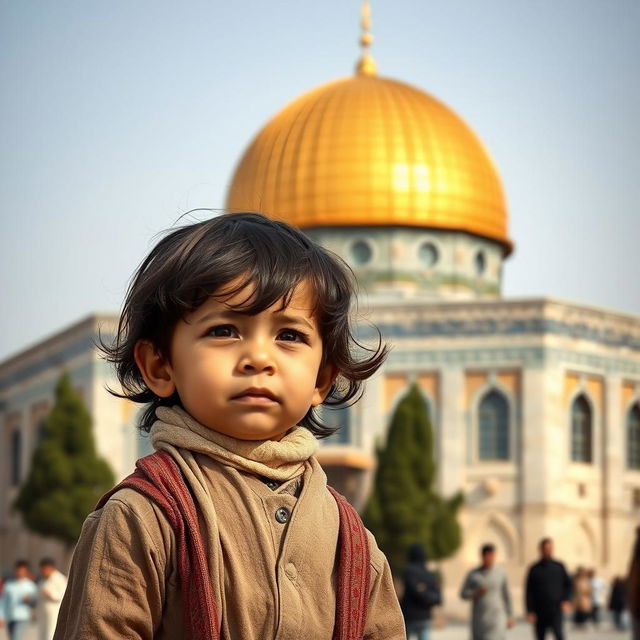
x=403, y=507
x=67, y=477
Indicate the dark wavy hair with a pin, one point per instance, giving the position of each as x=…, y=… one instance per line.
x=191, y=263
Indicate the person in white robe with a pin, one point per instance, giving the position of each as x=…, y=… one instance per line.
x=50, y=592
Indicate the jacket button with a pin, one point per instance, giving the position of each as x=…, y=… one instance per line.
x=282, y=515
x=272, y=484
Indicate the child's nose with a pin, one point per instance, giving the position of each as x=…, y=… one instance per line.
x=257, y=361
x=257, y=367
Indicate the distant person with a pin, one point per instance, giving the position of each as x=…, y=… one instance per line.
x=18, y=599
x=488, y=589
x=581, y=598
x=618, y=602
x=633, y=588
x=598, y=596
x=421, y=593
x=547, y=593
x=50, y=592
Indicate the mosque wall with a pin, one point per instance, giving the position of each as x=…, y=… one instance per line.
x=399, y=262
x=27, y=387
x=541, y=356
x=531, y=400
x=114, y=421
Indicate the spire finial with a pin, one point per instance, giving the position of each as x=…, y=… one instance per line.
x=366, y=65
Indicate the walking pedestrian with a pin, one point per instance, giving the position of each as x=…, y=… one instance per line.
x=618, y=602
x=488, y=589
x=421, y=594
x=598, y=595
x=581, y=598
x=50, y=592
x=633, y=588
x=548, y=593
x=18, y=599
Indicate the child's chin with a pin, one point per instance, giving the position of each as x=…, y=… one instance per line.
x=263, y=435
x=252, y=432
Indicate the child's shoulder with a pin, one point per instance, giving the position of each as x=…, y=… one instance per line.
x=126, y=503
x=130, y=513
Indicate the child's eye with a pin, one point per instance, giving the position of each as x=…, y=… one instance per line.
x=291, y=335
x=223, y=331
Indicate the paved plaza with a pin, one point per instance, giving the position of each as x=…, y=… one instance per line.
x=522, y=631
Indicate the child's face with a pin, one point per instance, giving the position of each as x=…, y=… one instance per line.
x=250, y=377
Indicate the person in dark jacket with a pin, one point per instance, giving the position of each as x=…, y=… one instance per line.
x=633, y=588
x=618, y=602
x=548, y=593
x=421, y=593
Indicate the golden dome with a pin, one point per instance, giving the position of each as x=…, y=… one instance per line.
x=365, y=151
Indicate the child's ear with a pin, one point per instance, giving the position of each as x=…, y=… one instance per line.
x=326, y=377
x=154, y=368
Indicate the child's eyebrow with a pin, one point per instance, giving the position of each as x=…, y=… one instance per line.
x=229, y=314
x=292, y=319
x=232, y=314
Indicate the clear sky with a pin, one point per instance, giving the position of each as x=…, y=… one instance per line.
x=115, y=117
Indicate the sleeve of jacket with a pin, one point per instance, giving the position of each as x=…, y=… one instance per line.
x=468, y=589
x=435, y=592
x=33, y=595
x=55, y=587
x=530, y=600
x=422, y=589
x=384, y=617
x=506, y=597
x=567, y=591
x=118, y=575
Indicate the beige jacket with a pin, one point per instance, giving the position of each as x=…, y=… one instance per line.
x=277, y=579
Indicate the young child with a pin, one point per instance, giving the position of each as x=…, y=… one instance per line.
x=234, y=331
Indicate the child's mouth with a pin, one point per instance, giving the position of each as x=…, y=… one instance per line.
x=258, y=397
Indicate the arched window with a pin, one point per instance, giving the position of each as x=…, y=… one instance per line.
x=340, y=419
x=633, y=437
x=493, y=427
x=16, y=457
x=581, y=430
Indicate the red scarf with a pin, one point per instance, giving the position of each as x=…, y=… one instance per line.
x=158, y=477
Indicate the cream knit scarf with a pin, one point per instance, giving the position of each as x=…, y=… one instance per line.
x=177, y=433
x=276, y=460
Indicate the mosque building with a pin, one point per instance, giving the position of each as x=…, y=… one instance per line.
x=534, y=402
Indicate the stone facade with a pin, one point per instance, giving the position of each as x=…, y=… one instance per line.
x=27, y=384
x=539, y=355
x=402, y=262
